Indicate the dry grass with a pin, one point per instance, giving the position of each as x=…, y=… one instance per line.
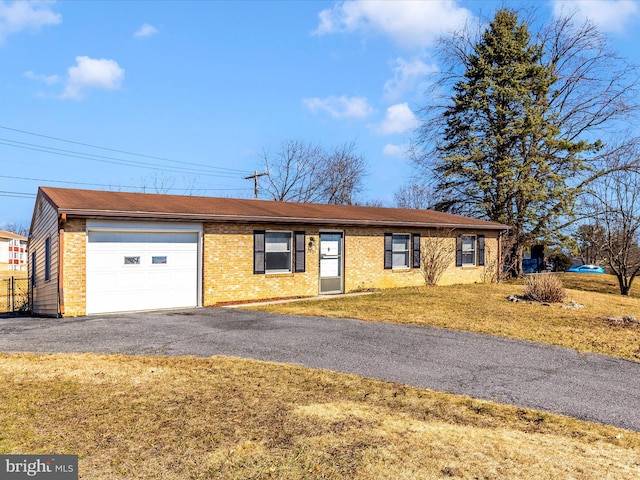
x=186, y=418
x=485, y=309
x=597, y=283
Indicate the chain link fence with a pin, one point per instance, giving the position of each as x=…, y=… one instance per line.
x=14, y=294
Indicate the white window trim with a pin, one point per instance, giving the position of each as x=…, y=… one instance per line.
x=278, y=271
x=475, y=250
x=407, y=266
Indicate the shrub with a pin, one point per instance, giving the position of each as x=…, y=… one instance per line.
x=560, y=262
x=435, y=255
x=544, y=288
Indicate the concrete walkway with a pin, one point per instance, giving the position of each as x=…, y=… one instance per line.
x=590, y=387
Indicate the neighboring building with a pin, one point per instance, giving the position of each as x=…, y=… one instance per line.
x=96, y=251
x=13, y=252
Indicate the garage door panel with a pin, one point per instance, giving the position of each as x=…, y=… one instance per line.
x=124, y=238
x=113, y=284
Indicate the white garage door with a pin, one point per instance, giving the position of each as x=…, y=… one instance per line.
x=141, y=270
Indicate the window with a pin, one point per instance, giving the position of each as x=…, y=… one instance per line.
x=400, y=251
x=47, y=259
x=277, y=251
x=470, y=250
x=159, y=260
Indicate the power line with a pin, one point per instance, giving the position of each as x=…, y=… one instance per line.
x=109, y=160
x=66, y=182
x=121, y=151
x=16, y=194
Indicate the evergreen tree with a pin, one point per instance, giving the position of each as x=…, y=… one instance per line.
x=503, y=156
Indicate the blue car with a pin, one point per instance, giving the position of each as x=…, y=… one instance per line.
x=586, y=269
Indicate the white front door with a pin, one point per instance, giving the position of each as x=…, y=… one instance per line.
x=141, y=270
x=331, y=262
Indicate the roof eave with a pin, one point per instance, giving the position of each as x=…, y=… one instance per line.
x=272, y=219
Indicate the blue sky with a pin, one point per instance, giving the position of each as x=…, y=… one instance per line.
x=187, y=95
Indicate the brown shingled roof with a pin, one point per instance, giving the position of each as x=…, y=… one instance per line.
x=104, y=204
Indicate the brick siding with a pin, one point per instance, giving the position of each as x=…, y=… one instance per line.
x=74, y=268
x=228, y=264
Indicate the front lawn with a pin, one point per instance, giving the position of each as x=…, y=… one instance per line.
x=484, y=308
x=597, y=283
x=150, y=418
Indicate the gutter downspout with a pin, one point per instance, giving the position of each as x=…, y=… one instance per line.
x=63, y=219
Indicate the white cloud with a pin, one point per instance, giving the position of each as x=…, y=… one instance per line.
x=145, y=30
x=408, y=76
x=18, y=16
x=396, y=151
x=92, y=73
x=340, y=107
x=398, y=119
x=47, y=79
x=609, y=15
x=410, y=23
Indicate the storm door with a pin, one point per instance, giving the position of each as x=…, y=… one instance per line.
x=331, y=279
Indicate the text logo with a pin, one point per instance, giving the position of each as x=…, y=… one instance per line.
x=44, y=467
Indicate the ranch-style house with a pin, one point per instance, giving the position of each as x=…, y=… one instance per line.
x=95, y=252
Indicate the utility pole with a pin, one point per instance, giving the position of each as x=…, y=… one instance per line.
x=255, y=177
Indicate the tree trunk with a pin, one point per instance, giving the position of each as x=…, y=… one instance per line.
x=515, y=260
x=625, y=285
x=519, y=272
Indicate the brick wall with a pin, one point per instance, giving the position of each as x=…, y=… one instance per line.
x=228, y=267
x=364, y=260
x=74, y=268
x=228, y=264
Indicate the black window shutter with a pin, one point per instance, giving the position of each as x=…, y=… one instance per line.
x=300, y=240
x=388, y=254
x=258, y=251
x=416, y=250
x=458, y=251
x=481, y=250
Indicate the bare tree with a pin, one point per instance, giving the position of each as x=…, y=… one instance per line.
x=294, y=172
x=157, y=182
x=344, y=171
x=307, y=173
x=21, y=228
x=616, y=207
x=415, y=196
x=436, y=255
x=590, y=238
x=372, y=202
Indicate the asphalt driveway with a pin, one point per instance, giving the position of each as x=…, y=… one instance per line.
x=590, y=387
